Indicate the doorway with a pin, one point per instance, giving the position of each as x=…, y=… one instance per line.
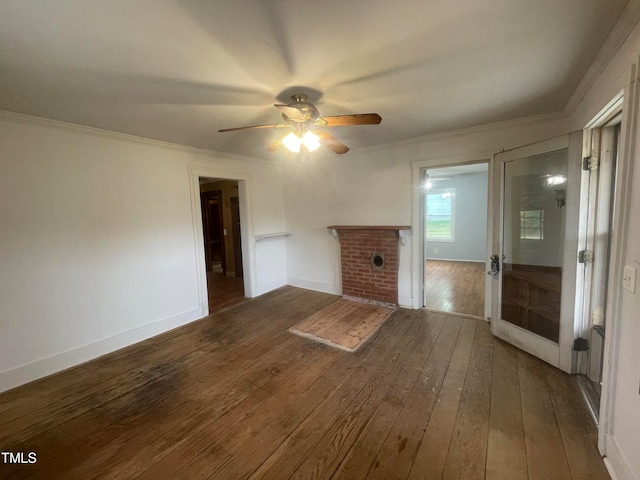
x=454, y=200
x=213, y=230
x=220, y=208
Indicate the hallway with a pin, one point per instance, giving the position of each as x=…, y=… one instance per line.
x=223, y=291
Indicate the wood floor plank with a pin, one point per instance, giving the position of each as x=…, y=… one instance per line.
x=431, y=457
x=135, y=408
x=69, y=386
x=468, y=449
x=345, y=324
x=506, y=453
x=546, y=457
x=339, y=412
x=230, y=387
x=177, y=445
x=579, y=434
x=395, y=458
x=344, y=429
x=257, y=423
x=187, y=418
x=224, y=291
x=206, y=335
x=362, y=455
x=265, y=433
x=456, y=287
x=238, y=396
x=149, y=416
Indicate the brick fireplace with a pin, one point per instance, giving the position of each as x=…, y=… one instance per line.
x=369, y=261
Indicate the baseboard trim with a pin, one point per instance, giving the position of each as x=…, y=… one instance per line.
x=405, y=302
x=616, y=464
x=455, y=314
x=454, y=260
x=269, y=286
x=56, y=363
x=315, y=286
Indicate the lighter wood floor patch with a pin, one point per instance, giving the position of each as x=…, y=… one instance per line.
x=455, y=287
x=345, y=324
x=431, y=396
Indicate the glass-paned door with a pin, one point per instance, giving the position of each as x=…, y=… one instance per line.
x=534, y=255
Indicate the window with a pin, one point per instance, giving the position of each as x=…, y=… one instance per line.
x=532, y=224
x=531, y=216
x=440, y=209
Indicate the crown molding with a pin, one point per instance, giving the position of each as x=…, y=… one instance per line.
x=478, y=129
x=99, y=132
x=102, y=133
x=625, y=24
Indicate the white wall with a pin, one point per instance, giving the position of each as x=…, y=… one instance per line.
x=622, y=439
x=97, y=244
x=470, y=220
x=376, y=187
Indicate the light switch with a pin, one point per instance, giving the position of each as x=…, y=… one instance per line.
x=629, y=279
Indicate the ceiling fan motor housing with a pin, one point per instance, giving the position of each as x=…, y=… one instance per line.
x=307, y=109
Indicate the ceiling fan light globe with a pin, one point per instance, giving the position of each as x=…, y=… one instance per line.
x=292, y=142
x=311, y=141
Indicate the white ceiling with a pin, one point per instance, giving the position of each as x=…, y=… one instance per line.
x=180, y=70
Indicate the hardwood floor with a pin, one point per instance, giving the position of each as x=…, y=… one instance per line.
x=456, y=287
x=224, y=291
x=236, y=396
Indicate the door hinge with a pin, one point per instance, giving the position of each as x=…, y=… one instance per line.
x=599, y=330
x=580, y=345
x=590, y=163
x=585, y=256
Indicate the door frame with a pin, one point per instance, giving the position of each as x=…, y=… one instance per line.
x=629, y=100
x=246, y=227
x=561, y=354
x=583, y=282
x=417, y=220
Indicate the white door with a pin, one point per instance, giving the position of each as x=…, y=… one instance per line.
x=534, y=261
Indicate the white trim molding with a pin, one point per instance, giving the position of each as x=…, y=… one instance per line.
x=323, y=287
x=417, y=213
x=246, y=228
x=629, y=141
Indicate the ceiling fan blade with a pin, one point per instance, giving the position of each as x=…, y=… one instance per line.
x=331, y=142
x=346, y=120
x=253, y=126
x=292, y=113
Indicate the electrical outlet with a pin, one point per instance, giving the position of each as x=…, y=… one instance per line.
x=629, y=279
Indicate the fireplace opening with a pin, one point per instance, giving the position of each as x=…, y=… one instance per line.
x=377, y=261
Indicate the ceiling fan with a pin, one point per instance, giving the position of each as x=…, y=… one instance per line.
x=305, y=122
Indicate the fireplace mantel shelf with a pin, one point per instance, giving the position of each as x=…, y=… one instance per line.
x=369, y=227
x=271, y=235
